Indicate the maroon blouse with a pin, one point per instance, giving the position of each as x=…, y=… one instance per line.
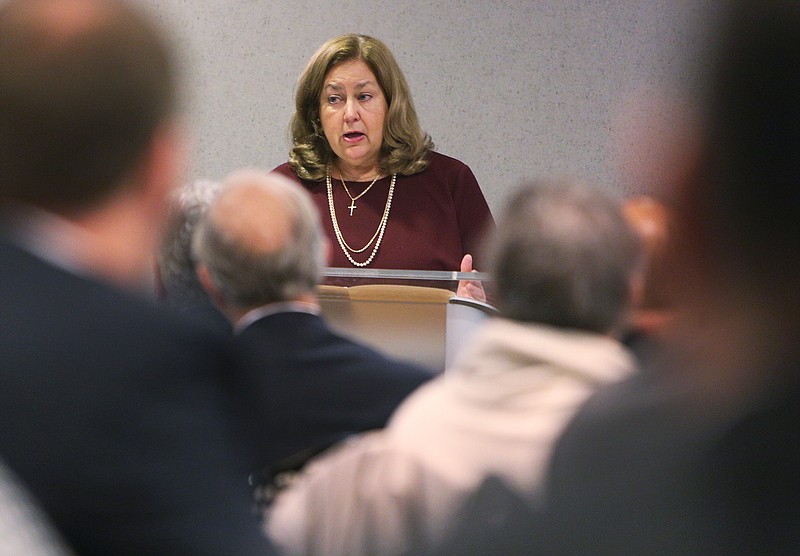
x=437, y=216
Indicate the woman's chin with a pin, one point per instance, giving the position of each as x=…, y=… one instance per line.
x=357, y=157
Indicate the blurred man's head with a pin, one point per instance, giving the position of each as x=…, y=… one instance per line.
x=87, y=131
x=84, y=87
x=260, y=241
x=737, y=205
x=565, y=256
x=178, y=282
x=741, y=209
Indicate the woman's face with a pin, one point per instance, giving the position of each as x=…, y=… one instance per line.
x=352, y=112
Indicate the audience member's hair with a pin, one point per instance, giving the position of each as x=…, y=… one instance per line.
x=178, y=279
x=250, y=276
x=405, y=145
x=78, y=104
x=565, y=256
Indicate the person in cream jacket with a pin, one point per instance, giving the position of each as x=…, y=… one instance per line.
x=565, y=264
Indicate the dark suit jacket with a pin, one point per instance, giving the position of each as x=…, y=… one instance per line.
x=118, y=417
x=644, y=470
x=314, y=387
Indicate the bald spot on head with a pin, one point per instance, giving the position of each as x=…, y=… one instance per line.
x=253, y=215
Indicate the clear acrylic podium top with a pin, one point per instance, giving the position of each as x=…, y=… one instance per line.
x=425, y=278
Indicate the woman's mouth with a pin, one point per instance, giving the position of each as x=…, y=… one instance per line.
x=353, y=136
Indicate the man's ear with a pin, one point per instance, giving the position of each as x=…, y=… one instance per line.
x=636, y=289
x=204, y=276
x=326, y=249
x=162, y=165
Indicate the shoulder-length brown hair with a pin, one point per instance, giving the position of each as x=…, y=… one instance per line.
x=405, y=145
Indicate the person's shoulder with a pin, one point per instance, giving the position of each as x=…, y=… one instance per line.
x=439, y=160
x=422, y=407
x=287, y=331
x=134, y=322
x=93, y=314
x=284, y=323
x=286, y=170
x=169, y=344
x=285, y=336
x=449, y=173
x=620, y=402
x=645, y=416
x=662, y=384
x=411, y=372
x=199, y=322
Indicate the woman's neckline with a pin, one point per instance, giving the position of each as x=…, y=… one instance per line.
x=337, y=174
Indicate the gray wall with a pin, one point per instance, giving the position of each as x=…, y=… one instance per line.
x=514, y=88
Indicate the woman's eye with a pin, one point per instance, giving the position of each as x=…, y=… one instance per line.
x=333, y=99
x=364, y=96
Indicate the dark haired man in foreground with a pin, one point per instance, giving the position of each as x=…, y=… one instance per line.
x=116, y=416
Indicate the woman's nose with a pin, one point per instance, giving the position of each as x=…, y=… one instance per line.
x=351, y=111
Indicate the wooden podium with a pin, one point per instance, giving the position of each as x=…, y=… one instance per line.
x=421, y=323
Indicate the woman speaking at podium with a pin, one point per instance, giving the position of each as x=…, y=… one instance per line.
x=386, y=199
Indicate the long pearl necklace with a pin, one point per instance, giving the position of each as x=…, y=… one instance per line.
x=377, y=237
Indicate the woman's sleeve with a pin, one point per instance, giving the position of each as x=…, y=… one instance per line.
x=474, y=217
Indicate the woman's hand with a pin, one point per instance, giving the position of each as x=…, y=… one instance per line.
x=470, y=288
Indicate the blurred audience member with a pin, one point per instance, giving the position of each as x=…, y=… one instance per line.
x=113, y=414
x=699, y=456
x=261, y=253
x=564, y=262
x=176, y=279
x=654, y=306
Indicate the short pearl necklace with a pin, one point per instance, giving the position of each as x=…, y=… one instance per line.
x=377, y=237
